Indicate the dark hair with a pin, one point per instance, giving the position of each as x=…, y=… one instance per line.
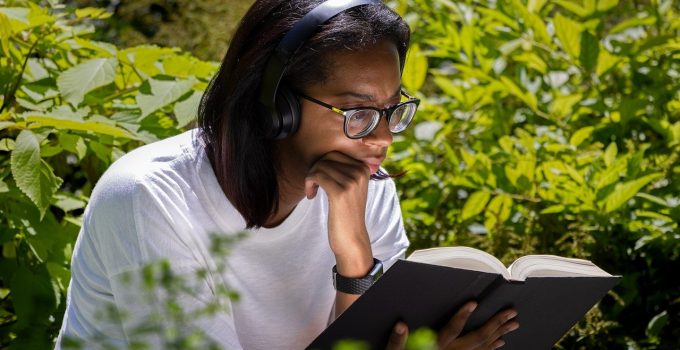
x=243, y=158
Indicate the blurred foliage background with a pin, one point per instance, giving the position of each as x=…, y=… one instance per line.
x=547, y=126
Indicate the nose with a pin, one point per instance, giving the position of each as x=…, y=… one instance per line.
x=381, y=135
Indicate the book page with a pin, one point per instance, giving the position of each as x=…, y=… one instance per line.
x=460, y=257
x=552, y=266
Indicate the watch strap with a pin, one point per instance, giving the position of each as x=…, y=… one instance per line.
x=360, y=285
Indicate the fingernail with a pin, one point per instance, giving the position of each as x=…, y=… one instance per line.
x=400, y=328
x=500, y=343
x=511, y=315
x=472, y=307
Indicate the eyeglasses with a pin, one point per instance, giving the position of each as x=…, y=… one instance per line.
x=361, y=121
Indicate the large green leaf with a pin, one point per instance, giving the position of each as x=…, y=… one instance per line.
x=569, y=33
x=163, y=93
x=415, y=69
x=625, y=191
x=31, y=174
x=75, y=82
x=475, y=204
x=39, y=120
x=187, y=109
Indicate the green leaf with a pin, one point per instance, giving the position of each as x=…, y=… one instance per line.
x=5, y=33
x=606, y=5
x=605, y=62
x=498, y=211
x=475, y=204
x=68, y=202
x=512, y=88
x=73, y=144
x=92, y=12
x=590, y=50
x=415, y=69
x=163, y=93
x=652, y=198
x=187, y=109
x=553, y=209
x=633, y=22
x=581, y=135
x=75, y=82
x=573, y=7
x=39, y=120
x=3, y=187
x=623, y=192
x=569, y=33
x=656, y=324
x=31, y=174
x=610, y=154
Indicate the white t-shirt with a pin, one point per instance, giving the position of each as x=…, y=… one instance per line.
x=162, y=201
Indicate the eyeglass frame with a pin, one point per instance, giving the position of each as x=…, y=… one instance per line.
x=387, y=112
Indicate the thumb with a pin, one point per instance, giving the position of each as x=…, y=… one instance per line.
x=398, y=337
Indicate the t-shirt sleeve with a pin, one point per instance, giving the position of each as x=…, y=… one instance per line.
x=384, y=223
x=162, y=279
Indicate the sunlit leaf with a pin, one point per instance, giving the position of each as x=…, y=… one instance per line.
x=163, y=92
x=610, y=154
x=581, y=135
x=573, y=7
x=606, y=5
x=75, y=82
x=415, y=69
x=569, y=33
x=92, y=12
x=187, y=110
x=475, y=204
x=37, y=120
x=32, y=175
x=625, y=191
x=647, y=20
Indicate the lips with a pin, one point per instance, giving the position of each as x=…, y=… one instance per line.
x=373, y=163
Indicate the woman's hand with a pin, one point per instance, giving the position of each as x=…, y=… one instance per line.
x=345, y=181
x=483, y=338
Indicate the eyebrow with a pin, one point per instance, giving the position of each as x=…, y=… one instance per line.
x=367, y=97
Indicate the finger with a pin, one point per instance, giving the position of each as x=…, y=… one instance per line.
x=319, y=177
x=493, y=329
x=343, y=158
x=497, y=344
x=398, y=337
x=334, y=176
x=452, y=329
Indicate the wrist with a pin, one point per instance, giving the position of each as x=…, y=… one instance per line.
x=354, y=265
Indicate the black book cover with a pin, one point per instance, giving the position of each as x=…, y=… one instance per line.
x=424, y=295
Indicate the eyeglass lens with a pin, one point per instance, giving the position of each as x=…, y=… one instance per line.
x=363, y=121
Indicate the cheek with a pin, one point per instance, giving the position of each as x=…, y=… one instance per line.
x=319, y=134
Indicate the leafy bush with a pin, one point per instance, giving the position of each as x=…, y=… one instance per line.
x=70, y=106
x=546, y=127
x=553, y=127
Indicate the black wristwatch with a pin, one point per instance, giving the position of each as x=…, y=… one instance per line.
x=357, y=285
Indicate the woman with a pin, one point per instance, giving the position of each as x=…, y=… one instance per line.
x=293, y=130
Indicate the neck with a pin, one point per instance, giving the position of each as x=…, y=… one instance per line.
x=291, y=192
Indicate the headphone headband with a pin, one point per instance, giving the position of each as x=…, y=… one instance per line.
x=286, y=49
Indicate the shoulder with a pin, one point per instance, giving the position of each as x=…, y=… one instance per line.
x=146, y=166
x=151, y=173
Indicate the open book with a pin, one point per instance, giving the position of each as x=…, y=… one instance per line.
x=526, y=266
x=550, y=293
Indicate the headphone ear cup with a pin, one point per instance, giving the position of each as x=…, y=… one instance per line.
x=288, y=111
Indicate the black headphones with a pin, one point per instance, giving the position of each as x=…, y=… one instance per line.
x=278, y=103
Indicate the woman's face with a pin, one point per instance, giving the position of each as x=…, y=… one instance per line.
x=367, y=78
